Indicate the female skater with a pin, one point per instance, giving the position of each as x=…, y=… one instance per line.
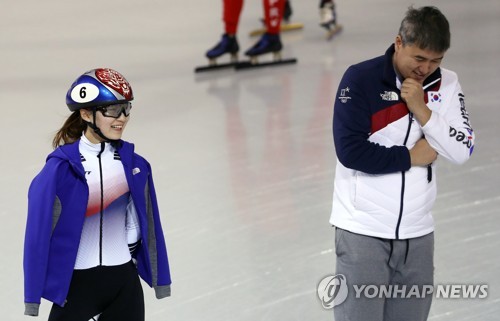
x=93, y=224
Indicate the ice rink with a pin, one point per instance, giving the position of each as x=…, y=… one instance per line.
x=243, y=161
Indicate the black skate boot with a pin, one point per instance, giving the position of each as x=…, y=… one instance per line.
x=267, y=43
x=327, y=15
x=328, y=18
x=228, y=44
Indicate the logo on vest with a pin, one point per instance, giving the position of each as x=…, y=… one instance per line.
x=343, y=95
x=389, y=96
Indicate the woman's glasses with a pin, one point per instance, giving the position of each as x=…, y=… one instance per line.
x=116, y=110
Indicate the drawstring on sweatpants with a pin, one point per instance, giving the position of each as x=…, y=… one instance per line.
x=407, y=249
x=390, y=253
x=391, y=242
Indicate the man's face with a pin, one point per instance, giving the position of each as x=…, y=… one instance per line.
x=413, y=62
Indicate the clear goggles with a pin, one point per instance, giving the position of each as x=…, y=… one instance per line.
x=116, y=110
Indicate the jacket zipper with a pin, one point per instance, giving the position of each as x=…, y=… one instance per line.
x=101, y=214
x=410, y=121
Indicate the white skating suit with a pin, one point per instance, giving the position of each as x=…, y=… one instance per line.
x=111, y=223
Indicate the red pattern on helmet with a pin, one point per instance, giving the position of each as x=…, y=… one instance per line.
x=114, y=80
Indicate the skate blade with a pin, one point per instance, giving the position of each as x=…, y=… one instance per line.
x=249, y=65
x=283, y=28
x=215, y=67
x=331, y=33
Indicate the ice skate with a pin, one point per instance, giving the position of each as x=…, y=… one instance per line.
x=328, y=20
x=327, y=16
x=268, y=43
x=335, y=29
x=227, y=45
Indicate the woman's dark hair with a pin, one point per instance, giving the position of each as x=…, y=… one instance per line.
x=426, y=28
x=70, y=131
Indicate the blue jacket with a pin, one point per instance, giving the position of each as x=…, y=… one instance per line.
x=57, y=201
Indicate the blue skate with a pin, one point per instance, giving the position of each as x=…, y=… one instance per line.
x=268, y=43
x=227, y=44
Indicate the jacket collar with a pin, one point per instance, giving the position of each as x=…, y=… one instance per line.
x=71, y=153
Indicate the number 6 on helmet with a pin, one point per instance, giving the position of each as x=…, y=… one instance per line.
x=98, y=87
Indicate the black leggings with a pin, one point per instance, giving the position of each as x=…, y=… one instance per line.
x=115, y=292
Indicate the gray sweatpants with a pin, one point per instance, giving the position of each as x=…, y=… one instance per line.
x=402, y=264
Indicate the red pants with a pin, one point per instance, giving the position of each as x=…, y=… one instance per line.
x=273, y=13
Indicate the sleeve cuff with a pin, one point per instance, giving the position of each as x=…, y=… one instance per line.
x=162, y=291
x=31, y=309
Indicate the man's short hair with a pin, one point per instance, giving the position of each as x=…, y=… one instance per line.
x=427, y=28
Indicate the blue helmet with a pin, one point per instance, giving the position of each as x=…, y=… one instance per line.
x=98, y=87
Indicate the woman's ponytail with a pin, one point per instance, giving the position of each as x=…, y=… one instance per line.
x=71, y=130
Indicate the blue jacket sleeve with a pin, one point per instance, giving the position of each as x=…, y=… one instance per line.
x=351, y=130
x=41, y=197
x=163, y=281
